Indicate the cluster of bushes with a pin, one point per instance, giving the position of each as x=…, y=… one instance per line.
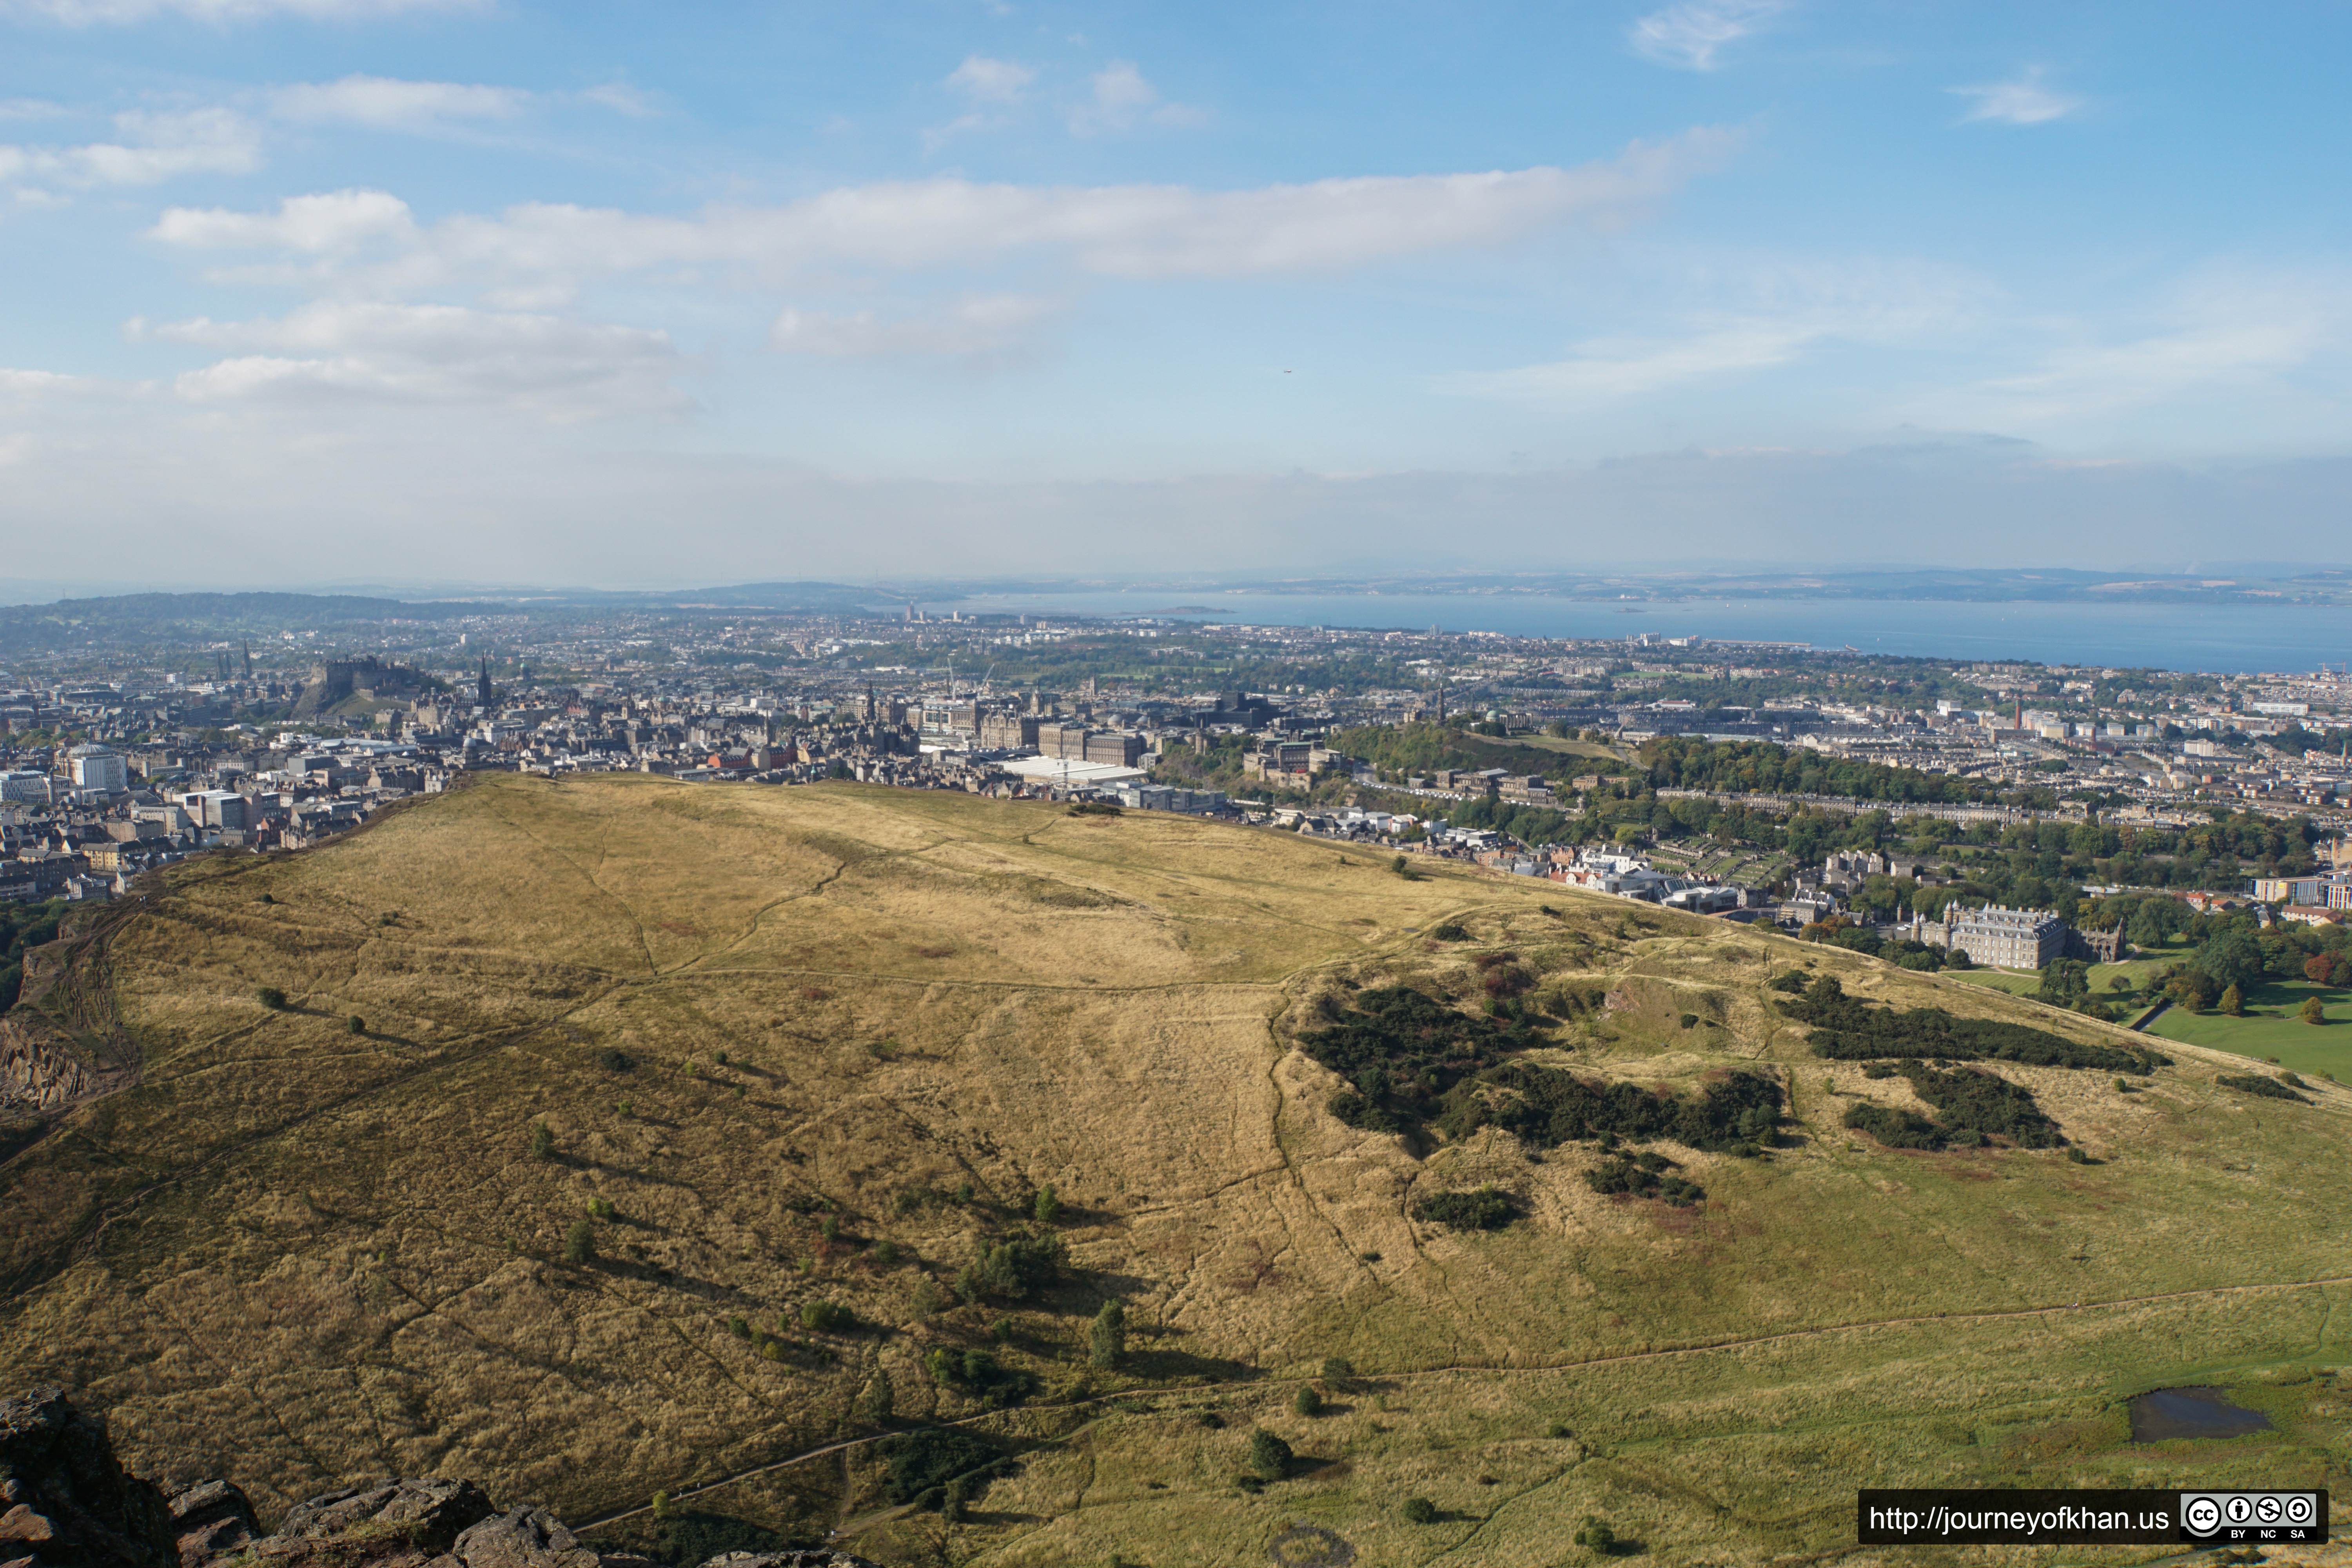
x=1487, y=1208
x=938, y=1469
x=1014, y=1268
x=980, y=1376
x=1402, y=1052
x=1644, y=1175
x=1734, y=1114
x=1847, y=1028
x=1972, y=1108
x=2263, y=1088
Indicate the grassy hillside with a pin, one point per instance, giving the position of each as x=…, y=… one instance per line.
x=827, y=1046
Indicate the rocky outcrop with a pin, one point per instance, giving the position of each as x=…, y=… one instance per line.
x=211, y=1519
x=40, y=1073
x=67, y=1502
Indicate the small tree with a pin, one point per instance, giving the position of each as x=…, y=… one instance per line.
x=355, y=1025
x=827, y=1316
x=273, y=998
x=1306, y=1401
x=580, y=1243
x=926, y=1300
x=1597, y=1536
x=543, y=1141
x=952, y=1502
x=2313, y=1011
x=1107, y=1339
x=1269, y=1455
x=1419, y=1510
x=661, y=1505
x=1048, y=1208
x=1338, y=1372
x=2233, y=1003
x=877, y=1405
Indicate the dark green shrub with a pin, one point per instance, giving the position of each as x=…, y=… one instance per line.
x=1644, y=1175
x=980, y=1376
x=699, y=1537
x=828, y=1318
x=2259, y=1086
x=1306, y=1401
x=1107, y=1340
x=739, y=1327
x=1485, y=1209
x=355, y=1025
x=601, y=1207
x=1419, y=1510
x=886, y=1252
x=1847, y=1028
x=1048, y=1208
x=613, y=1061
x=1548, y=1106
x=1338, y=1372
x=273, y=998
x=1597, y=1537
x=580, y=1243
x=929, y=1460
x=1014, y=1268
x=1269, y=1456
x=1452, y=930
x=543, y=1141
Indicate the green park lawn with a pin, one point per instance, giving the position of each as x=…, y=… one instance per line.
x=2271, y=1029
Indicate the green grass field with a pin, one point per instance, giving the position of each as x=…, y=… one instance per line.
x=2273, y=1029
x=770, y=1030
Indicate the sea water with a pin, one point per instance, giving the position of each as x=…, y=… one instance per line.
x=2234, y=638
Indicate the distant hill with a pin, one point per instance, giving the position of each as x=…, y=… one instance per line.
x=614, y=1136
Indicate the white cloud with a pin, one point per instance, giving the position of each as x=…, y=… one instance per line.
x=318, y=225
x=1604, y=370
x=1690, y=34
x=2245, y=331
x=155, y=147
x=994, y=87
x=991, y=81
x=1121, y=231
x=622, y=99
x=84, y=13
x=391, y=104
x=39, y=384
x=2024, y=102
x=1775, y=314
x=977, y=326
x=29, y=108
x=430, y=355
x=1121, y=99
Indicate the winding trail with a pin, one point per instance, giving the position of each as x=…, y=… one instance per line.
x=1707, y=1347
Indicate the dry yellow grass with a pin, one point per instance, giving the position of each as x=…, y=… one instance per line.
x=301, y=1253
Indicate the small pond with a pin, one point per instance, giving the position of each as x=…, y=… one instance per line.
x=2169, y=1412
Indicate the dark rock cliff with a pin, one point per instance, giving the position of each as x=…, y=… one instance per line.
x=66, y=1501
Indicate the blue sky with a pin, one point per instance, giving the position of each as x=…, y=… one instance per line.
x=619, y=293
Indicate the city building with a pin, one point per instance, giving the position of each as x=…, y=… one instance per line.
x=98, y=768
x=2006, y=937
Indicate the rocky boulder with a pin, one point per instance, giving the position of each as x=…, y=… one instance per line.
x=210, y=1519
x=65, y=1499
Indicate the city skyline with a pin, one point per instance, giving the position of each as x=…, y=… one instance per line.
x=335, y=290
